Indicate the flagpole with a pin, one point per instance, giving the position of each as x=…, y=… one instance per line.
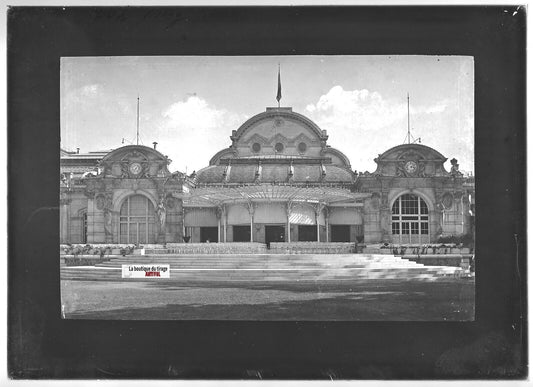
x=137, y=119
x=278, y=96
x=279, y=83
x=408, y=123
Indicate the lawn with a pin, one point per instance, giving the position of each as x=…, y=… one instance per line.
x=445, y=299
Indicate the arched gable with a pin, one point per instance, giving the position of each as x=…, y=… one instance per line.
x=283, y=113
x=135, y=161
x=410, y=160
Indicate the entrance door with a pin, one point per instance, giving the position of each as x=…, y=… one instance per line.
x=209, y=234
x=137, y=221
x=274, y=234
x=241, y=233
x=410, y=220
x=307, y=233
x=340, y=233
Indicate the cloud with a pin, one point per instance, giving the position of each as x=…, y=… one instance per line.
x=194, y=113
x=354, y=117
x=363, y=110
x=354, y=109
x=197, y=130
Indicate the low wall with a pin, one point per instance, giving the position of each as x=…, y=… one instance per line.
x=417, y=250
x=83, y=260
x=457, y=260
x=312, y=248
x=210, y=248
x=99, y=249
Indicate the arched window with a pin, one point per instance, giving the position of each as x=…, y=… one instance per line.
x=137, y=220
x=410, y=220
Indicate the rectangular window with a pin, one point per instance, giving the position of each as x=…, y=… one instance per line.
x=396, y=228
x=414, y=228
x=424, y=228
x=405, y=228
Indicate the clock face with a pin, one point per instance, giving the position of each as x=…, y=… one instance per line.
x=135, y=168
x=411, y=167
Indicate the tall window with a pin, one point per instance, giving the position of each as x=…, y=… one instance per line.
x=137, y=220
x=410, y=220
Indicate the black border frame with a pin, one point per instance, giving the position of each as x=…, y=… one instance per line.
x=42, y=345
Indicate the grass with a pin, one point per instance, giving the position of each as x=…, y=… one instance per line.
x=363, y=300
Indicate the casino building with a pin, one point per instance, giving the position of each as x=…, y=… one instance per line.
x=278, y=181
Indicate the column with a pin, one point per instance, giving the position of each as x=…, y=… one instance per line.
x=288, y=210
x=183, y=230
x=317, y=215
x=219, y=216
x=326, y=217
x=225, y=218
x=65, y=219
x=251, y=209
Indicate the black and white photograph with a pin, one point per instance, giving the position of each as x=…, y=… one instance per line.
x=268, y=188
x=296, y=192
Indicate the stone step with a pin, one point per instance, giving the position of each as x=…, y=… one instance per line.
x=265, y=267
x=214, y=275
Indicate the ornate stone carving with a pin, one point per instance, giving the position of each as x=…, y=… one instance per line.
x=455, y=168
x=171, y=203
x=446, y=200
x=100, y=202
x=108, y=214
x=375, y=200
x=410, y=168
x=93, y=186
x=162, y=213
x=64, y=198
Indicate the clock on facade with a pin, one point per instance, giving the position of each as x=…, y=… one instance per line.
x=135, y=168
x=411, y=167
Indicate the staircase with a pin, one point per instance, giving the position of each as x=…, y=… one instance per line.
x=265, y=268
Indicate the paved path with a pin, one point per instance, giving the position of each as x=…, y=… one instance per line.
x=364, y=300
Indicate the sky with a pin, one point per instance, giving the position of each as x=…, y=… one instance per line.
x=190, y=105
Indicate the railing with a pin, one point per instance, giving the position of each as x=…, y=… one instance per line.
x=312, y=247
x=210, y=248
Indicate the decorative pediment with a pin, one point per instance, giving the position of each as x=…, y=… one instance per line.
x=410, y=160
x=257, y=138
x=134, y=162
x=410, y=168
x=279, y=138
x=411, y=155
x=302, y=138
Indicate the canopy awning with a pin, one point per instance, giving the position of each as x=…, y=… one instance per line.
x=211, y=196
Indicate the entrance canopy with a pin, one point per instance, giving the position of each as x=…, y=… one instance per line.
x=211, y=196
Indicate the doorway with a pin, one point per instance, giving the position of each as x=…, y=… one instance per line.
x=307, y=233
x=241, y=233
x=209, y=234
x=274, y=234
x=340, y=233
x=137, y=221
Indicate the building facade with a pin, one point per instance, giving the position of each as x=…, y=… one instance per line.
x=278, y=181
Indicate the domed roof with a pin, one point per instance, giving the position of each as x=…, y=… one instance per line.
x=280, y=132
x=274, y=173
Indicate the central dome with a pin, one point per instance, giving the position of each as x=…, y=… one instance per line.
x=280, y=133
